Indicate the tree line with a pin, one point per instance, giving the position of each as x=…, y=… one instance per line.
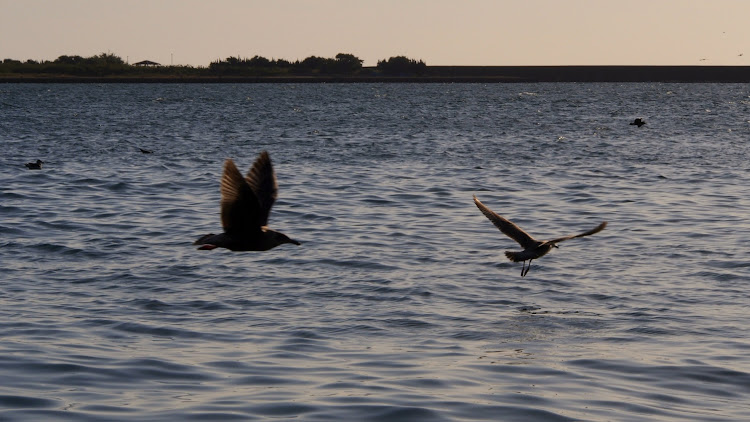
x=107, y=64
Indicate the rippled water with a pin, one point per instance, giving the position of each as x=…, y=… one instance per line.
x=399, y=305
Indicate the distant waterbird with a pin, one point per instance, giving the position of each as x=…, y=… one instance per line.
x=245, y=205
x=637, y=122
x=532, y=248
x=146, y=151
x=34, y=166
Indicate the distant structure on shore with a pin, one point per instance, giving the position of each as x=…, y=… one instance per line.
x=147, y=63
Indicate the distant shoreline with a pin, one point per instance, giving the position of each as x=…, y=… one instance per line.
x=444, y=74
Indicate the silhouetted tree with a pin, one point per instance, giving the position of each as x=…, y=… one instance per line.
x=259, y=61
x=105, y=59
x=283, y=63
x=69, y=60
x=232, y=61
x=313, y=64
x=343, y=64
x=347, y=64
x=401, y=65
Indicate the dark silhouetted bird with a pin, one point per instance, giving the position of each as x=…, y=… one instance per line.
x=532, y=248
x=245, y=205
x=34, y=166
x=637, y=122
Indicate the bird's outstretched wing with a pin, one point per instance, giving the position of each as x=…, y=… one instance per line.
x=262, y=180
x=506, y=226
x=596, y=229
x=240, y=210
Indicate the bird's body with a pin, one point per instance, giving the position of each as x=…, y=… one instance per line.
x=532, y=248
x=35, y=165
x=638, y=122
x=262, y=240
x=245, y=205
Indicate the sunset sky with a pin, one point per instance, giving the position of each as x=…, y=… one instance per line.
x=440, y=32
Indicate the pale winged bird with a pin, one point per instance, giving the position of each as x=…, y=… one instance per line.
x=532, y=248
x=245, y=205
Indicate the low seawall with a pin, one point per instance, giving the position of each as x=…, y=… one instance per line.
x=445, y=74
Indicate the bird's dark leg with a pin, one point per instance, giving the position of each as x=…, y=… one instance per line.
x=527, y=268
x=523, y=267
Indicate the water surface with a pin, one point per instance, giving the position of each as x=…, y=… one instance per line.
x=400, y=304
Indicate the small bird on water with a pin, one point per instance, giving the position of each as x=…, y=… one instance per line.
x=532, y=248
x=245, y=205
x=637, y=122
x=34, y=166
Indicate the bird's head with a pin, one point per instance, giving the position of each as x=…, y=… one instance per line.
x=281, y=238
x=548, y=244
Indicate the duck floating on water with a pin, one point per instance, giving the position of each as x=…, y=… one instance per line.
x=34, y=166
x=637, y=122
x=245, y=205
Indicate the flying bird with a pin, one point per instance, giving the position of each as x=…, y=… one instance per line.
x=34, y=166
x=532, y=248
x=245, y=205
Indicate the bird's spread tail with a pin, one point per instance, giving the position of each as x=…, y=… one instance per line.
x=513, y=256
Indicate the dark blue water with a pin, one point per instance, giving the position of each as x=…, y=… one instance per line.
x=399, y=305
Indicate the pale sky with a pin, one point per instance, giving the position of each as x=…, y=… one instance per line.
x=440, y=32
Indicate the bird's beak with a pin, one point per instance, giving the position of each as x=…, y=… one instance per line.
x=294, y=242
